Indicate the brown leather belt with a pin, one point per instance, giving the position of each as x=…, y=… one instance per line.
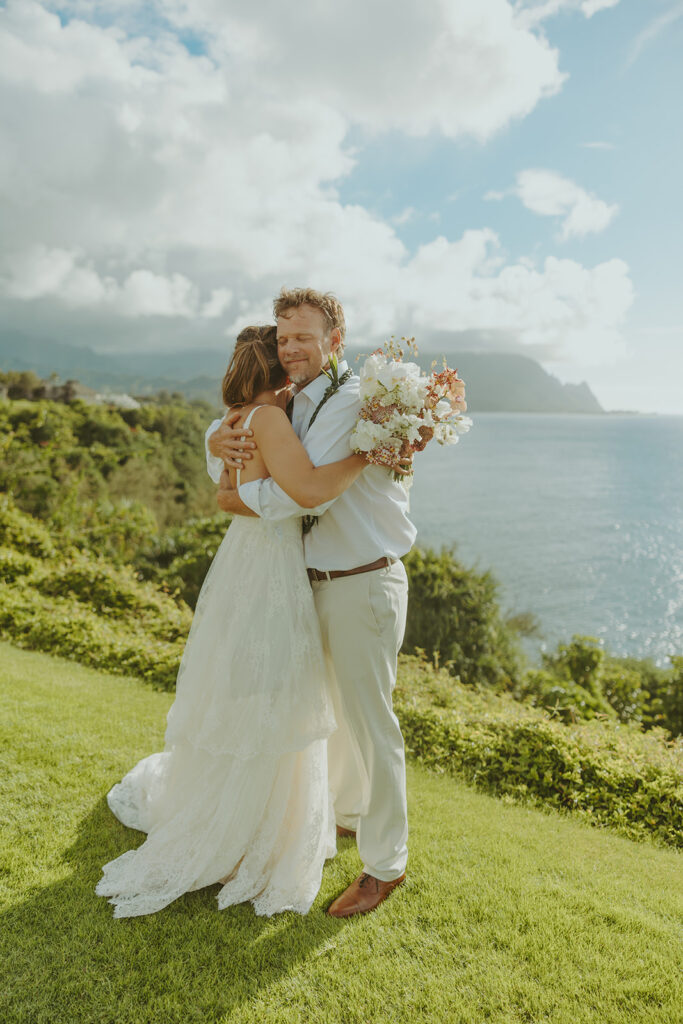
x=318, y=575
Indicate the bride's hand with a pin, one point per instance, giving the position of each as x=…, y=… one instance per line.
x=227, y=444
x=457, y=397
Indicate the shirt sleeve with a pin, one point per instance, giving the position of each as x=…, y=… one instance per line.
x=268, y=500
x=326, y=441
x=214, y=464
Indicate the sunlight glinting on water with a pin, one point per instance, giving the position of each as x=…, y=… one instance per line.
x=579, y=518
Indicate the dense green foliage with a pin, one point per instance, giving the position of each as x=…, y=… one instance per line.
x=609, y=773
x=59, y=599
x=454, y=616
x=73, y=462
x=581, y=681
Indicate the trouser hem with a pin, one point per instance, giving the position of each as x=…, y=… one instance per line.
x=384, y=876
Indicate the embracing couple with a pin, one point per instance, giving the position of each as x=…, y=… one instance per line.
x=282, y=735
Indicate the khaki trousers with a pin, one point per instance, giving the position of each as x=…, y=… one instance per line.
x=362, y=619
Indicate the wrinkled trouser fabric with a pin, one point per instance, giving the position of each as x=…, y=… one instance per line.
x=362, y=620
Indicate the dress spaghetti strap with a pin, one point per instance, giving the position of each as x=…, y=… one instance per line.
x=245, y=425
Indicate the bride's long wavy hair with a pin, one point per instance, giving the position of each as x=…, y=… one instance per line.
x=254, y=366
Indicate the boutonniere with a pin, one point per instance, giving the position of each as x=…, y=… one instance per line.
x=333, y=373
x=335, y=383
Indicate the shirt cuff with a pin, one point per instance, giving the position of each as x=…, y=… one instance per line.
x=250, y=493
x=214, y=464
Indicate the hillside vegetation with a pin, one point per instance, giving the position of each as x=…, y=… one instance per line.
x=92, y=572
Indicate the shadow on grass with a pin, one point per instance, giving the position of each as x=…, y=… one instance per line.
x=70, y=959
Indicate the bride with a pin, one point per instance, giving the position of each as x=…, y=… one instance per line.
x=239, y=794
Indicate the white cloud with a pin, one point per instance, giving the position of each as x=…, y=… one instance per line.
x=550, y=195
x=457, y=286
x=407, y=214
x=598, y=145
x=458, y=67
x=652, y=30
x=38, y=272
x=591, y=7
x=146, y=181
x=532, y=12
x=216, y=305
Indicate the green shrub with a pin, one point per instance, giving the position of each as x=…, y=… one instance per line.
x=114, y=530
x=610, y=774
x=579, y=662
x=623, y=686
x=105, y=588
x=13, y=565
x=564, y=698
x=22, y=532
x=666, y=703
x=453, y=615
x=54, y=458
x=580, y=680
x=64, y=626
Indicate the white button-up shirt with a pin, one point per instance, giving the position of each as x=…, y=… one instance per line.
x=365, y=522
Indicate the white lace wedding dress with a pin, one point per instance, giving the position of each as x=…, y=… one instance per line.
x=239, y=795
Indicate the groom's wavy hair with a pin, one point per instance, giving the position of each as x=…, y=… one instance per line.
x=328, y=304
x=254, y=366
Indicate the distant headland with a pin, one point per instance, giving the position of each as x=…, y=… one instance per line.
x=496, y=382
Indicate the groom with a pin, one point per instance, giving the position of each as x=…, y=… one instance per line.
x=359, y=583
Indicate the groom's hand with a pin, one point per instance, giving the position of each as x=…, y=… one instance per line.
x=226, y=443
x=229, y=500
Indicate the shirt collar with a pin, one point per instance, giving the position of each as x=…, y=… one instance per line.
x=316, y=388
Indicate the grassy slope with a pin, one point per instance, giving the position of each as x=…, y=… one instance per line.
x=509, y=914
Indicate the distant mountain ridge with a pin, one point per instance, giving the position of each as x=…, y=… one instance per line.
x=496, y=382
x=503, y=382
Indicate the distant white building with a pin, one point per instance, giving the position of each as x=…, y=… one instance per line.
x=121, y=401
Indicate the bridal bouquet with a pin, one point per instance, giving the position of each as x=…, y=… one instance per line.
x=403, y=409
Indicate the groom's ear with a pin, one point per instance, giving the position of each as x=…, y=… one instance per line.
x=335, y=339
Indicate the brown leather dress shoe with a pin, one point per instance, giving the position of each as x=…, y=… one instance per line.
x=364, y=894
x=345, y=833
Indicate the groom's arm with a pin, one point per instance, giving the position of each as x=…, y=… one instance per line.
x=214, y=464
x=229, y=500
x=326, y=441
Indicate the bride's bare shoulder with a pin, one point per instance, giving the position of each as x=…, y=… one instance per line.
x=268, y=417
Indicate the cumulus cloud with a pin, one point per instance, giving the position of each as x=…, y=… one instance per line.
x=38, y=272
x=591, y=7
x=460, y=68
x=551, y=195
x=531, y=12
x=149, y=181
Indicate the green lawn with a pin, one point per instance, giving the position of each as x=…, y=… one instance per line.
x=509, y=914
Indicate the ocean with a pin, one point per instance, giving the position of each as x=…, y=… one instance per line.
x=578, y=517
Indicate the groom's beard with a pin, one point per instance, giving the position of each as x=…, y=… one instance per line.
x=301, y=379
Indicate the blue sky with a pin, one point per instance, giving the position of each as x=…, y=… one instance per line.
x=509, y=170
x=615, y=95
